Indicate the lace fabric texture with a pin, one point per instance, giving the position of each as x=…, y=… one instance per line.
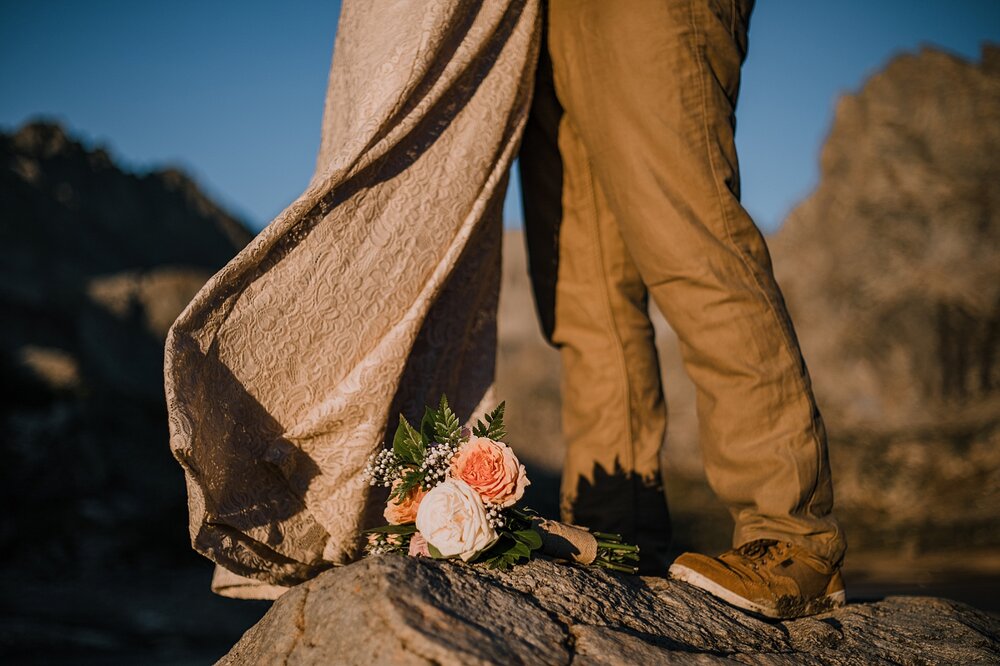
x=371, y=294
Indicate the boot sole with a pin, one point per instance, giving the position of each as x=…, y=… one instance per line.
x=793, y=610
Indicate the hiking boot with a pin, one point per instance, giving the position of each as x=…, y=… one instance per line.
x=772, y=578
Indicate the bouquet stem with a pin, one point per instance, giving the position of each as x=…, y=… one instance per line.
x=615, y=555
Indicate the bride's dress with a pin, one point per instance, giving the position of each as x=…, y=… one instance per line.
x=371, y=294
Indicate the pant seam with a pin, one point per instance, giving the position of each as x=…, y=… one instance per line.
x=739, y=253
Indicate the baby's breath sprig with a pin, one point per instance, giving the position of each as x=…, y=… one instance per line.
x=495, y=516
x=383, y=468
x=437, y=463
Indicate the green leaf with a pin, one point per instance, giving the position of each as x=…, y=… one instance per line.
x=497, y=562
x=406, y=443
x=409, y=528
x=447, y=429
x=427, y=426
x=506, y=552
x=416, y=442
x=520, y=550
x=408, y=482
x=494, y=427
x=501, y=546
x=529, y=538
x=435, y=553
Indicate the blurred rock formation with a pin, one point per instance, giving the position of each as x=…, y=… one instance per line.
x=893, y=264
x=97, y=263
x=891, y=270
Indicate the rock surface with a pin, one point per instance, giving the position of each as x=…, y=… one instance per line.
x=398, y=610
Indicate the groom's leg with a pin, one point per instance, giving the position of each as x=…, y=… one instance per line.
x=593, y=307
x=651, y=85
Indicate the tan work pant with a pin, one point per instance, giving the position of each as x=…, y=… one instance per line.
x=631, y=188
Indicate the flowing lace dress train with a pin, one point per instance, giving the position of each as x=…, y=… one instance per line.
x=371, y=294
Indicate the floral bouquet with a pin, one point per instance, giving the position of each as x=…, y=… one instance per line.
x=455, y=493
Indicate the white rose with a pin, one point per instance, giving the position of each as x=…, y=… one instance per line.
x=452, y=519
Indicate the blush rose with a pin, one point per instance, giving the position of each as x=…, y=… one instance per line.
x=492, y=469
x=418, y=546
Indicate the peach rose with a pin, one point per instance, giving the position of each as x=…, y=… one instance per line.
x=418, y=546
x=404, y=511
x=492, y=469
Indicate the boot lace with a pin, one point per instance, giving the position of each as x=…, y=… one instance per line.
x=762, y=551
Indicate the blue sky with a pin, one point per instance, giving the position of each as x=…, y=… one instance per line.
x=233, y=91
